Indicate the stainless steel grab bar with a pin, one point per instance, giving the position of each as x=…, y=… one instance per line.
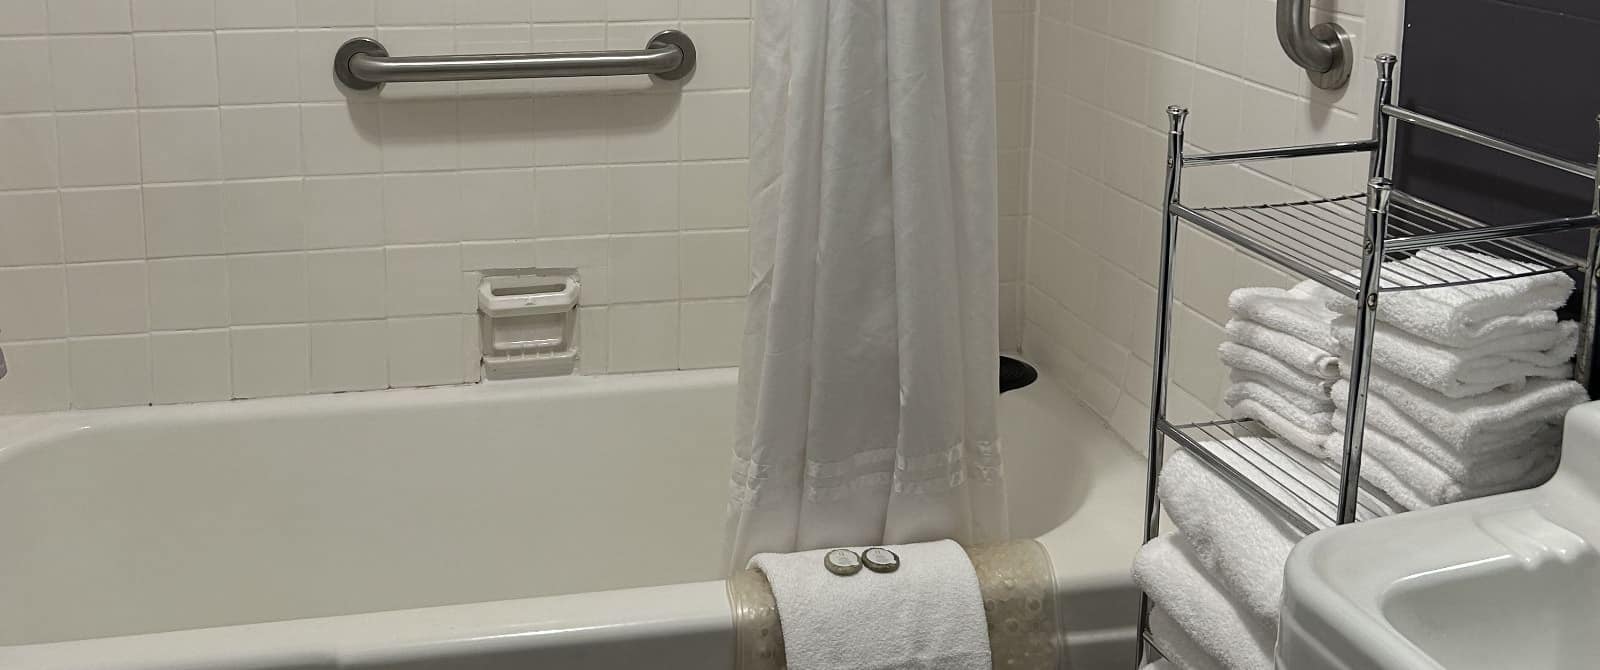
x=1323, y=50
x=364, y=63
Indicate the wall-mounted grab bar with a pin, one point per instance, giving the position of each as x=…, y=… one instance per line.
x=1323, y=50
x=363, y=63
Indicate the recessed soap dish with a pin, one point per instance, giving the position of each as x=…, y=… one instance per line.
x=528, y=319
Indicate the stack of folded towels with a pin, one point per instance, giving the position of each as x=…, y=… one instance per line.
x=1467, y=390
x=1468, y=385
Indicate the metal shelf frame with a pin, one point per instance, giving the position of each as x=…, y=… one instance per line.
x=1353, y=244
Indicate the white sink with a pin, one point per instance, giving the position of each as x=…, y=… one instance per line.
x=1509, y=581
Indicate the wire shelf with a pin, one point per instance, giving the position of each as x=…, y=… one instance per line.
x=1303, y=489
x=1324, y=240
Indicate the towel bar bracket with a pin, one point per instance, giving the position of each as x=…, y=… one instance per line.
x=1324, y=50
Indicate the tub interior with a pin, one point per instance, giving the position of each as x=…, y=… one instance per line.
x=147, y=520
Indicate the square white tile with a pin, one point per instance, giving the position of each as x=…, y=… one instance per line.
x=26, y=77
x=33, y=303
x=175, y=69
x=425, y=351
x=711, y=334
x=346, y=284
x=260, y=141
x=716, y=264
x=89, y=16
x=267, y=288
x=99, y=148
x=349, y=356
x=644, y=337
x=425, y=280
x=183, y=220
x=644, y=267
x=92, y=71
x=644, y=198
x=161, y=15
x=29, y=145
x=30, y=228
x=340, y=139
x=262, y=216
x=36, y=378
x=110, y=371
x=253, y=66
x=188, y=293
x=271, y=360
x=194, y=366
x=342, y=211
x=102, y=224
x=572, y=201
x=107, y=298
x=180, y=144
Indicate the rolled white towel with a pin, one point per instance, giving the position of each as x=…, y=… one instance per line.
x=1508, y=441
x=1473, y=425
x=1293, y=351
x=1464, y=315
x=1506, y=363
x=928, y=613
x=1255, y=361
x=1180, y=650
x=1379, y=476
x=1167, y=571
x=1301, y=311
x=1238, y=543
x=1430, y=482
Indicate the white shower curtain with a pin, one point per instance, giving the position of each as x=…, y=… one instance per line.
x=869, y=377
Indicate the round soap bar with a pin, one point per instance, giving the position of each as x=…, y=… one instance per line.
x=842, y=562
x=878, y=559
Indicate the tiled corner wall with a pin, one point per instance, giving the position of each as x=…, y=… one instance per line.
x=1106, y=71
x=1013, y=40
x=191, y=209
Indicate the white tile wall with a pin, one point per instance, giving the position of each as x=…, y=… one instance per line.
x=1106, y=70
x=191, y=209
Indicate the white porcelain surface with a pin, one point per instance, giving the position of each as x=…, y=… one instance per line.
x=1509, y=581
x=487, y=526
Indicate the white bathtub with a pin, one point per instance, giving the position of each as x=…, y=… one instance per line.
x=562, y=523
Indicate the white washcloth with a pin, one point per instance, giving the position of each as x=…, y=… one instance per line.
x=927, y=614
x=1298, y=354
x=1309, y=404
x=1473, y=425
x=1282, y=403
x=1508, y=440
x=1238, y=543
x=1180, y=650
x=1168, y=572
x=1463, y=315
x=1255, y=361
x=1378, y=475
x=1301, y=311
x=1507, y=362
x=1303, y=437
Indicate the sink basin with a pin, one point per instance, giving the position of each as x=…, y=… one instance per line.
x=1501, y=614
x=1510, y=581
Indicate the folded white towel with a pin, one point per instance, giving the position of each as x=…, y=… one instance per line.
x=1167, y=571
x=1430, y=482
x=1507, y=362
x=1238, y=543
x=1180, y=650
x=1308, y=404
x=1483, y=423
x=1301, y=311
x=1514, y=439
x=1293, y=351
x=1303, y=437
x=1378, y=475
x=1255, y=361
x=1464, y=315
x=1289, y=405
x=927, y=614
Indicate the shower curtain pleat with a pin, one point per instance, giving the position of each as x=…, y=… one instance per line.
x=868, y=380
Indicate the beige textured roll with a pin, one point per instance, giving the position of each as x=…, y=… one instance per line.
x=1015, y=579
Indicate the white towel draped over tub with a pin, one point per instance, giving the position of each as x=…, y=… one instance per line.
x=870, y=372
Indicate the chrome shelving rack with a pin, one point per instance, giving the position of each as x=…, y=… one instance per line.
x=1345, y=243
